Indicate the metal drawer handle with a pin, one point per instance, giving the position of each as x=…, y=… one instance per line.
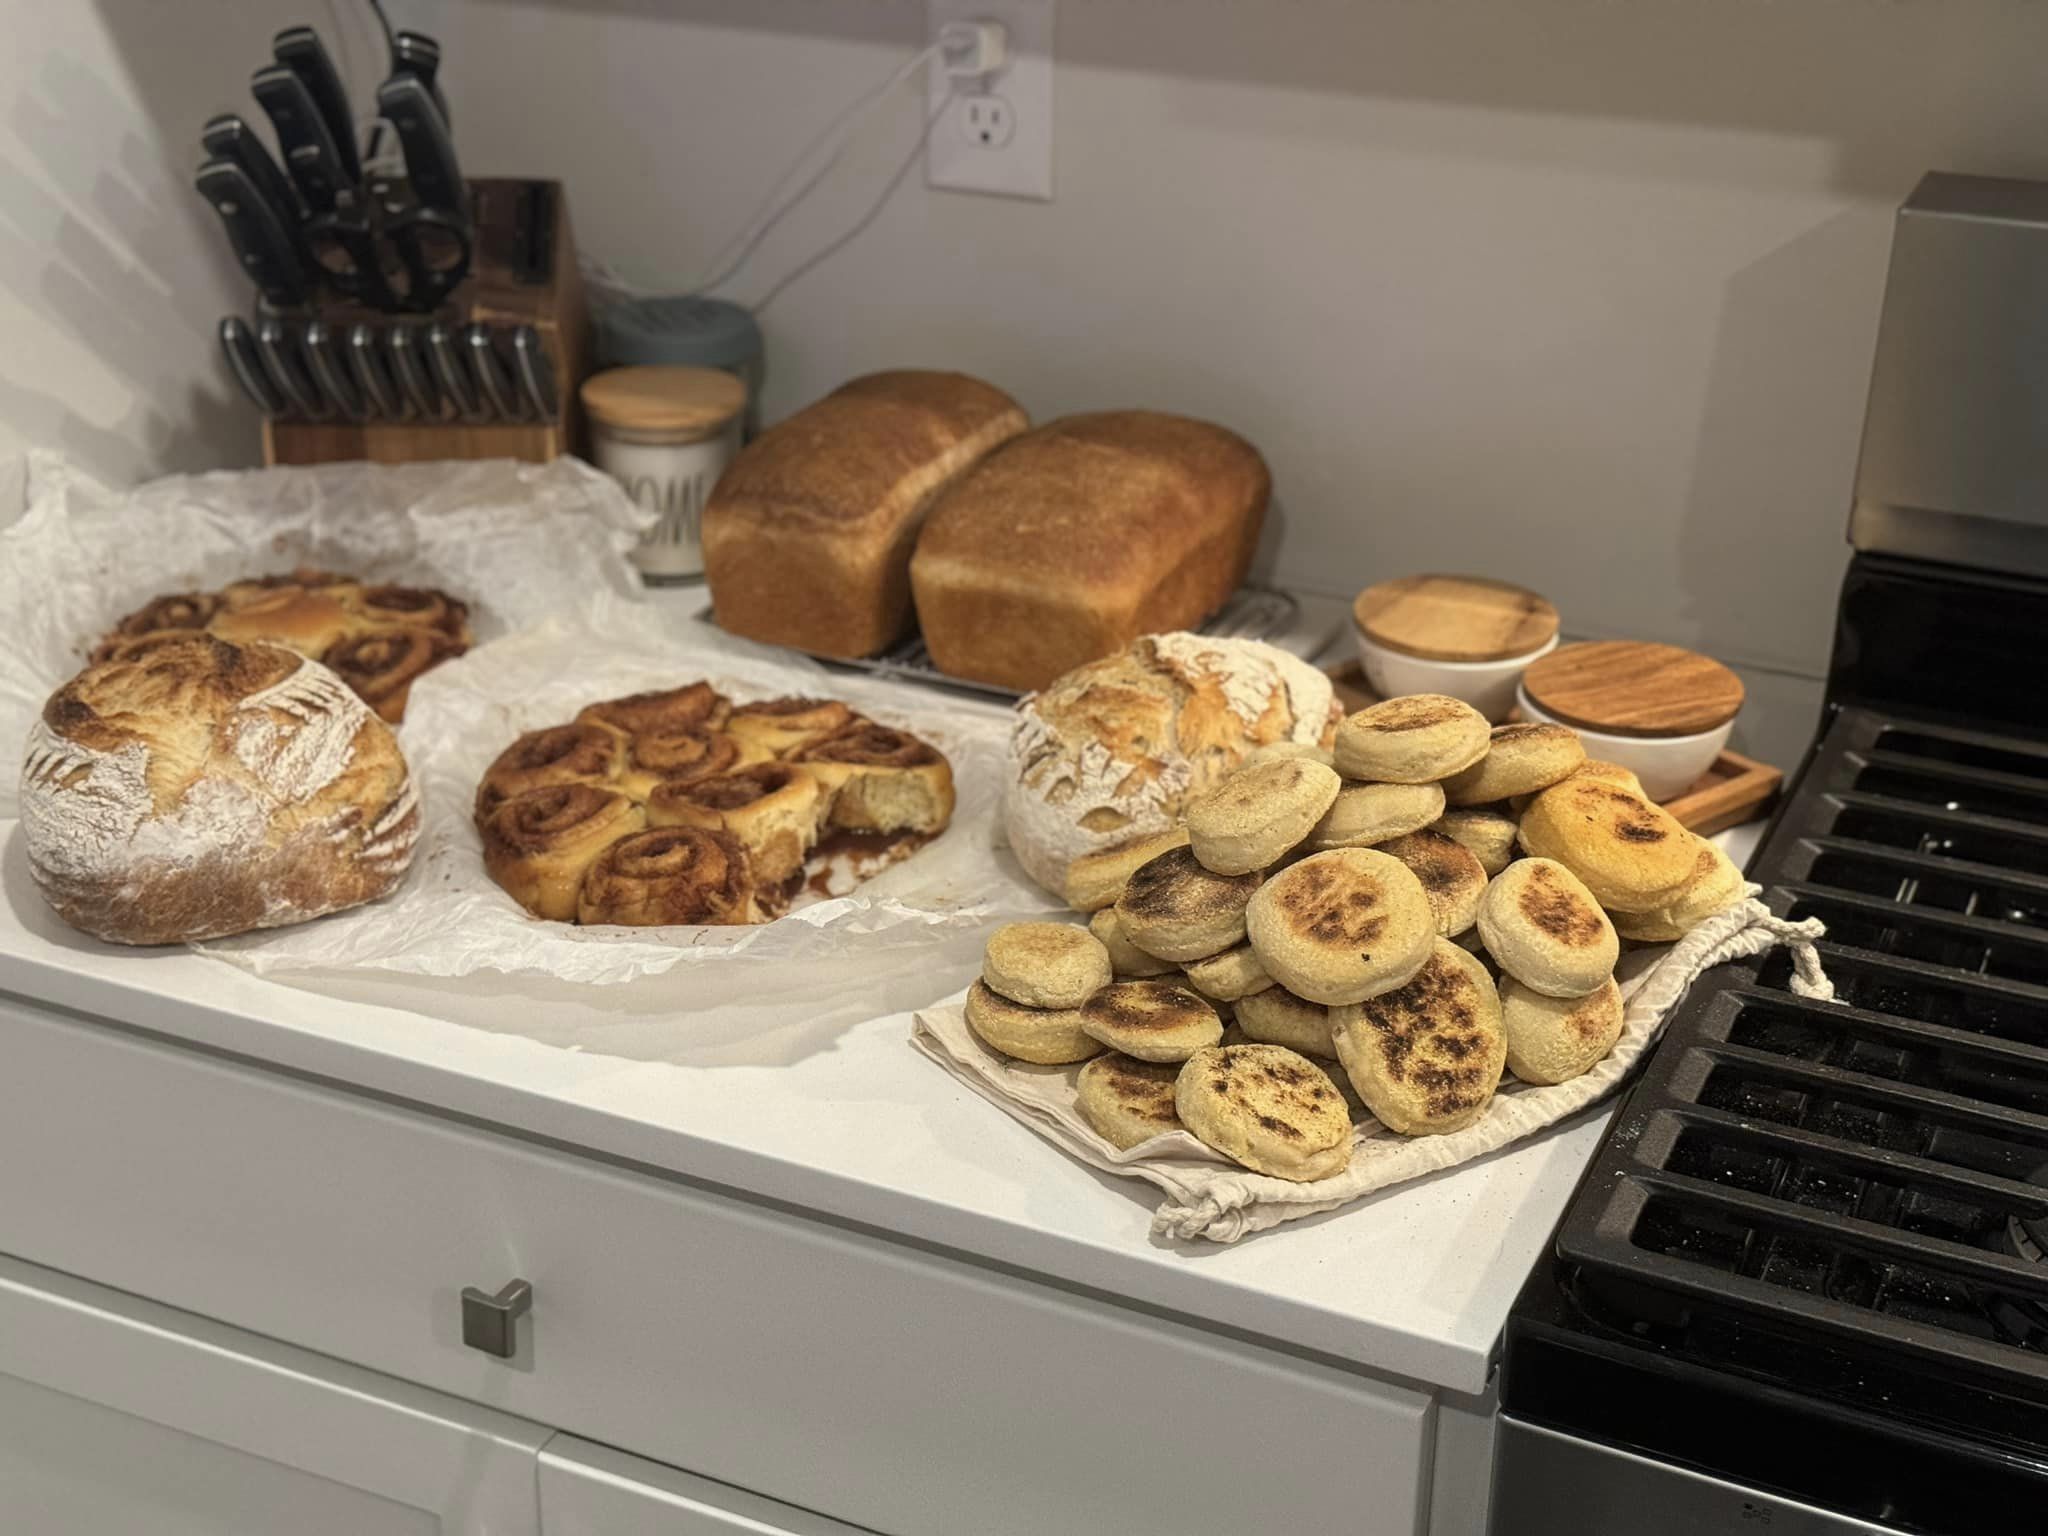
x=490, y=1323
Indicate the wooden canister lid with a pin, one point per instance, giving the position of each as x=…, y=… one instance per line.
x=1634, y=688
x=683, y=402
x=1455, y=618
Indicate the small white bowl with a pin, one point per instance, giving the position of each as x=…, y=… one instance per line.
x=1488, y=686
x=1667, y=765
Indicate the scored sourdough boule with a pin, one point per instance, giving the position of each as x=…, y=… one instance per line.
x=1277, y=1017
x=1230, y=976
x=1488, y=834
x=1095, y=880
x=1125, y=1100
x=1253, y=816
x=1555, y=1039
x=1546, y=930
x=1045, y=965
x=1125, y=958
x=1175, y=909
x=1632, y=855
x=1452, y=877
x=1519, y=760
x=1427, y=1057
x=1365, y=814
x=1050, y=1037
x=1271, y=1109
x=1339, y=927
x=1416, y=739
x=1716, y=885
x=1151, y=1020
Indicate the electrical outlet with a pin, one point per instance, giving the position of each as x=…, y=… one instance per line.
x=994, y=133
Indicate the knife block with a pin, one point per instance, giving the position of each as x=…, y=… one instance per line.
x=518, y=276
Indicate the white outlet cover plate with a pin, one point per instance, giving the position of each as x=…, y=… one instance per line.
x=954, y=159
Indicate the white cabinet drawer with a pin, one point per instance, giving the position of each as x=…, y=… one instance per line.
x=593, y=1490
x=886, y=1386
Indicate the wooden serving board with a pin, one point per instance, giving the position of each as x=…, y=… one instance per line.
x=1736, y=789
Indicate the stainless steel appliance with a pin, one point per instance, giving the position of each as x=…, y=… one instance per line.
x=1802, y=1287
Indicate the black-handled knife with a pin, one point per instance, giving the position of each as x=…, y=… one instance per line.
x=504, y=397
x=430, y=161
x=536, y=372
x=299, y=49
x=336, y=380
x=238, y=346
x=285, y=364
x=416, y=54
x=373, y=376
x=310, y=153
x=406, y=346
x=264, y=246
x=451, y=372
x=229, y=137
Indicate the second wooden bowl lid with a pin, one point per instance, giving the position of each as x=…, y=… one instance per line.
x=1634, y=688
x=1455, y=618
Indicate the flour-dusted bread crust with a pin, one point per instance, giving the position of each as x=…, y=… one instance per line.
x=203, y=788
x=808, y=534
x=1110, y=753
x=1077, y=538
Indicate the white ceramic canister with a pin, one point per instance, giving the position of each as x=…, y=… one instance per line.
x=666, y=434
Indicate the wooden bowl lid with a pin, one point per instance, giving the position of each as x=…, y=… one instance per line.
x=685, y=401
x=1634, y=688
x=1455, y=618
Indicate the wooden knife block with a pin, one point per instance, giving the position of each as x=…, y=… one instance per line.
x=499, y=290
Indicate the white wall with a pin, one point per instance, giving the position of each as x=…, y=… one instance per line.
x=1579, y=292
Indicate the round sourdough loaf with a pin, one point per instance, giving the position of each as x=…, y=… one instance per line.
x=203, y=788
x=1111, y=752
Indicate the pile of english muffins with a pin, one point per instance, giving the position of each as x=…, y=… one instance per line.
x=1423, y=905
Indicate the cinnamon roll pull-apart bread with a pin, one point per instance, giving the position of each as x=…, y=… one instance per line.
x=378, y=639
x=197, y=788
x=561, y=810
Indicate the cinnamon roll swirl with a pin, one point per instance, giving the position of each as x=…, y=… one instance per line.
x=773, y=808
x=382, y=664
x=782, y=727
x=539, y=845
x=416, y=608
x=881, y=780
x=561, y=754
x=303, y=620
x=181, y=612
x=669, y=875
x=681, y=757
x=696, y=706
x=239, y=594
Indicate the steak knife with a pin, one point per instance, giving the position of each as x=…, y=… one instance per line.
x=264, y=246
x=430, y=160
x=300, y=50
x=336, y=381
x=229, y=137
x=500, y=393
x=287, y=369
x=238, y=345
x=536, y=372
x=372, y=372
x=310, y=153
x=451, y=373
x=406, y=347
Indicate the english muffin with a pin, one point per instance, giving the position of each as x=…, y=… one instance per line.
x=1519, y=760
x=1426, y=1057
x=1340, y=927
x=1125, y=958
x=1452, y=877
x=1278, y=749
x=1632, y=855
x=1489, y=834
x=1546, y=930
x=1416, y=739
x=1592, y=768
x=1270, y=1109
x=1716, y=885
x=1277, y=1017
x=1555, y=1039
x=1125, y=1100
x=1363, y=815
x=1045, y=965
x=1151, y=1020
x=1253, y=816
x=1234, y=974
x=1095, y=880
x=1175, y=909
x=1049, y=1036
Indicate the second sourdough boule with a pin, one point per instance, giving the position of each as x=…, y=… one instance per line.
x=1125, y=958
x=1546, y=930
x=1050, y=1037
x=1151, y=1020
x=1175, y=909
x=1427, y=1057
x=1339, y=927
x=1415, y=739
x=1045, y=965
x=1253, y=816
x=1268, y=1108
x=1126, y=1100
x=1555, y=1039
x=1277, y=1017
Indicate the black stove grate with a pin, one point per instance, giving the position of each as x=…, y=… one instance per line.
x=1870, y=1169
